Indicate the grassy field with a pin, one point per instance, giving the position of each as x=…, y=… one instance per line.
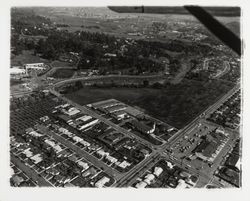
x=15, y=82
x=175, y=104
x=57, y=63
x=63, y=73
x=26, y=57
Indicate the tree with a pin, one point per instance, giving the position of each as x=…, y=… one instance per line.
x=145, y=83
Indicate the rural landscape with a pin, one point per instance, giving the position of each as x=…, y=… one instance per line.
x=102, y=98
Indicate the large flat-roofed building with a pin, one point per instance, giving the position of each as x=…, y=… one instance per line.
x=90, y=123
x=17, y=71
x=39, y=66
x=211, y=146
x=105, y=103
x=115, y=108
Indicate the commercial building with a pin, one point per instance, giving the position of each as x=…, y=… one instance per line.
x=39, y=66
x=119, y=114
x=17, y=71
x=90, y=123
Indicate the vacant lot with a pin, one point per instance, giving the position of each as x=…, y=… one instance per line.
x=174, y=104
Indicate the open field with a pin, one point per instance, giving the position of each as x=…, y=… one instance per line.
x=63, y=73
x=175, y=104
x=57, y=63
x=26, y=57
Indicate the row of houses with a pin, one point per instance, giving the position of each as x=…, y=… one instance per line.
x=149, y=178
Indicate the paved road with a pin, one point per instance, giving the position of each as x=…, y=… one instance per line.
x=138, y=171
x=57, y=84
x=29, y=172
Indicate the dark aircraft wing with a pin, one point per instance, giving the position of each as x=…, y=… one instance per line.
x=204, y=15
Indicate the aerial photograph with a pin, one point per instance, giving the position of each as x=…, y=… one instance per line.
x=125, y=97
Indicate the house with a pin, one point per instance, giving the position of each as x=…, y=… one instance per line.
x=100, y=183
x=149, y=178
x=169, y=164
x=141, y=184
x=28, y=153
x=111, y=159
x=77, y=139
x=35, y=134
x=102, y=153
x=124, y=164
x=50, y=143
x=36, y=158
x=71, y=111
x=157, y=171
x=182, y=184
x=84, y=118
x=57, y=148
x=83, y=165
x=17, y=180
